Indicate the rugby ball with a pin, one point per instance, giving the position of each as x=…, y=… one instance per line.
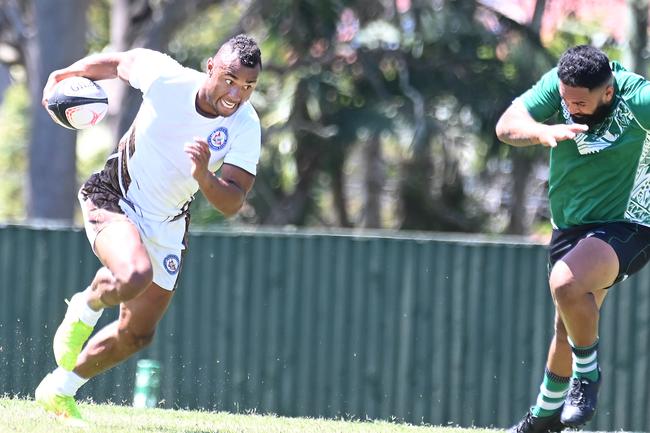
x=77, y=103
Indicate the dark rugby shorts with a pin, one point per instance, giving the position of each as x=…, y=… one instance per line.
x=630, y=241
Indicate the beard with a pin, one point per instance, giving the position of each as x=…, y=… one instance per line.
x=597, y=117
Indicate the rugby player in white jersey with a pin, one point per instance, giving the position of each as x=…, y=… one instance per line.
x=136, y=210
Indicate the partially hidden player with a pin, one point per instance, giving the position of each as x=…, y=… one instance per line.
x=191, y=125
x=599, y=186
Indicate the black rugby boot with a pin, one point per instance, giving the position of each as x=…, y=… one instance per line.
x=533, y=424
x=580, y=404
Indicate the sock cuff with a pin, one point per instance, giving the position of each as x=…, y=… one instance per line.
x=67, y=382
x=83, y=311
x=555, y=377
x=583, y=351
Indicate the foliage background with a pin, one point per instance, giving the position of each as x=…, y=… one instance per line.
x=375, y=114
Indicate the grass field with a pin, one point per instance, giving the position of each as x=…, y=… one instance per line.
x=24, y=416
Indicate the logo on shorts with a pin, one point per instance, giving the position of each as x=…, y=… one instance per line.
x=218, y=138
x=171, y=264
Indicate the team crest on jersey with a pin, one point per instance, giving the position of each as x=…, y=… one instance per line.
x=172, y=264
x=218, y=139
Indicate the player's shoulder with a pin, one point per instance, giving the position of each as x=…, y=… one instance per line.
x=244, y=123
x=247, y=114
x=550, y=77
x=153, y=61
x=542, y=99
x=634, y=89
x=548, y=83
x=174, y=82
x=627, y=81
x=150, y=67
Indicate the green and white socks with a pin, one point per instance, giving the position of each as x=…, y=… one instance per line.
x=585, y=361
x=554, y=388
x=551, y=396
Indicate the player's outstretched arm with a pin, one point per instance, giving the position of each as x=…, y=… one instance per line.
x=101, y=66
x=517, y=128
x=226, y=192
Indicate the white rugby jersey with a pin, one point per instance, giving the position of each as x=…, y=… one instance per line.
x=156, y=179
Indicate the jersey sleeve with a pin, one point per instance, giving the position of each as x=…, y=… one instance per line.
x=543, y=99
x=636, y=91
x=150, y=65
x=246, y=146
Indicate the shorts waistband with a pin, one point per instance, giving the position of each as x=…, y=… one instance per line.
x=152, y=216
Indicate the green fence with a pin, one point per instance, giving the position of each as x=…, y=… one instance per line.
x=423, y=329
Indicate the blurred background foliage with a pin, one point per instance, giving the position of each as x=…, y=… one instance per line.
x=13, y=159
x=375, y=114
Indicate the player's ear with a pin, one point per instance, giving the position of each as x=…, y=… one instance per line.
x=210, y=66
x=609, y=93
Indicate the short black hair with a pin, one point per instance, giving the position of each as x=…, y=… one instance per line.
x=248, y=50
x=584, y=66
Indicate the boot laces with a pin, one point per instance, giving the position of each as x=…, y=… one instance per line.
x=577, y=391
x=525, y=423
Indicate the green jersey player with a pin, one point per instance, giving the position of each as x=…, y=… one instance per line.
x=599, y=187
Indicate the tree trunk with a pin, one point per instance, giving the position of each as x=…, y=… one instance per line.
x=521, y=169
x=309, y=154
x=374, y=182
x=5, y=81
x=338, y=191
x=59, y=40
x=121, y=32
x=293, y=208
x=638, y=36
x=538, y=14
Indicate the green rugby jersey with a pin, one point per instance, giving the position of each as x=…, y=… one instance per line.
x=604, y=174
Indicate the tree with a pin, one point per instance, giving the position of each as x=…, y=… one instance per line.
x=638, y=36
x=375, y=114
x=60, y=40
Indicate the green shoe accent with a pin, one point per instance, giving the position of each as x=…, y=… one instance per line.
x=69, y=339
x=62, y=406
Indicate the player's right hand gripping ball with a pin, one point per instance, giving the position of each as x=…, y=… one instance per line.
x=77, y=103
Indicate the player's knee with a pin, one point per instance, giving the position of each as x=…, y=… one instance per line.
x=133, y=279
x=133, y=342
x=565, y=290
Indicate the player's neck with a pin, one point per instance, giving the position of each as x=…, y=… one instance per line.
x=202, y=112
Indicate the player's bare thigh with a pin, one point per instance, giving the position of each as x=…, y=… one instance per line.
x=117, y=243
x=590, y=267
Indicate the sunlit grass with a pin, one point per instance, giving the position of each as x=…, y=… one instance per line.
x=19, y=415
